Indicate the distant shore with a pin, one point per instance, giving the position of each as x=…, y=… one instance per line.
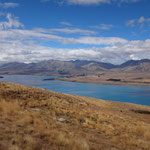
x=104, y=82
x=131, y=79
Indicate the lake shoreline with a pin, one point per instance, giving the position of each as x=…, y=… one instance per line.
x=103, y=78
x=132, y=94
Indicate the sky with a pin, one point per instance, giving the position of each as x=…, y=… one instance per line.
x=112, y=31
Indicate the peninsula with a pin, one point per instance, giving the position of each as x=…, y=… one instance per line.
x=114, y=78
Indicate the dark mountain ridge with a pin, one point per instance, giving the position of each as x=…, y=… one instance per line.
x=57, y=67
x=134, y=63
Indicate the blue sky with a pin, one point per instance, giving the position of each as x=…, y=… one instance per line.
x=102, y=30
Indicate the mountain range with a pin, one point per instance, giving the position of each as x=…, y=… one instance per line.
x=77, y=67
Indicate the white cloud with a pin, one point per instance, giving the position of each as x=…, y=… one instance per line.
x=66, y=30
x=90, y=2
x=9, y=5
x=73, y=30
x=38, y=35
x=103, y=26
x=66, y=23
x=131, y=23
x=44, y=1
x=21, y=45
x=12, y=22
x=97, y=2
x=130, y=1
x=87, y=40
x=140, y=21
x=17, y=50
x=87, y=2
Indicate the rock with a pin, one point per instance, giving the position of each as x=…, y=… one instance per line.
x=62, y=119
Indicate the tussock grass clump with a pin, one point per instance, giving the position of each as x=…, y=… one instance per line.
x=37, y=119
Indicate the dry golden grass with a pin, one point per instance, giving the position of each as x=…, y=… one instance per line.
x=30, y=120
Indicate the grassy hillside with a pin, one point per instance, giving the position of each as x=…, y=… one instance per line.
x=37, y=119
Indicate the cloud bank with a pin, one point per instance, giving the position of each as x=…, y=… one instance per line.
x=22, y=45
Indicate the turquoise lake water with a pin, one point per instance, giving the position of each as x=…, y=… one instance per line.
x=131, y=94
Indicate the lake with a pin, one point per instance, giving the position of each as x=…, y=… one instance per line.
x=131, y=94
